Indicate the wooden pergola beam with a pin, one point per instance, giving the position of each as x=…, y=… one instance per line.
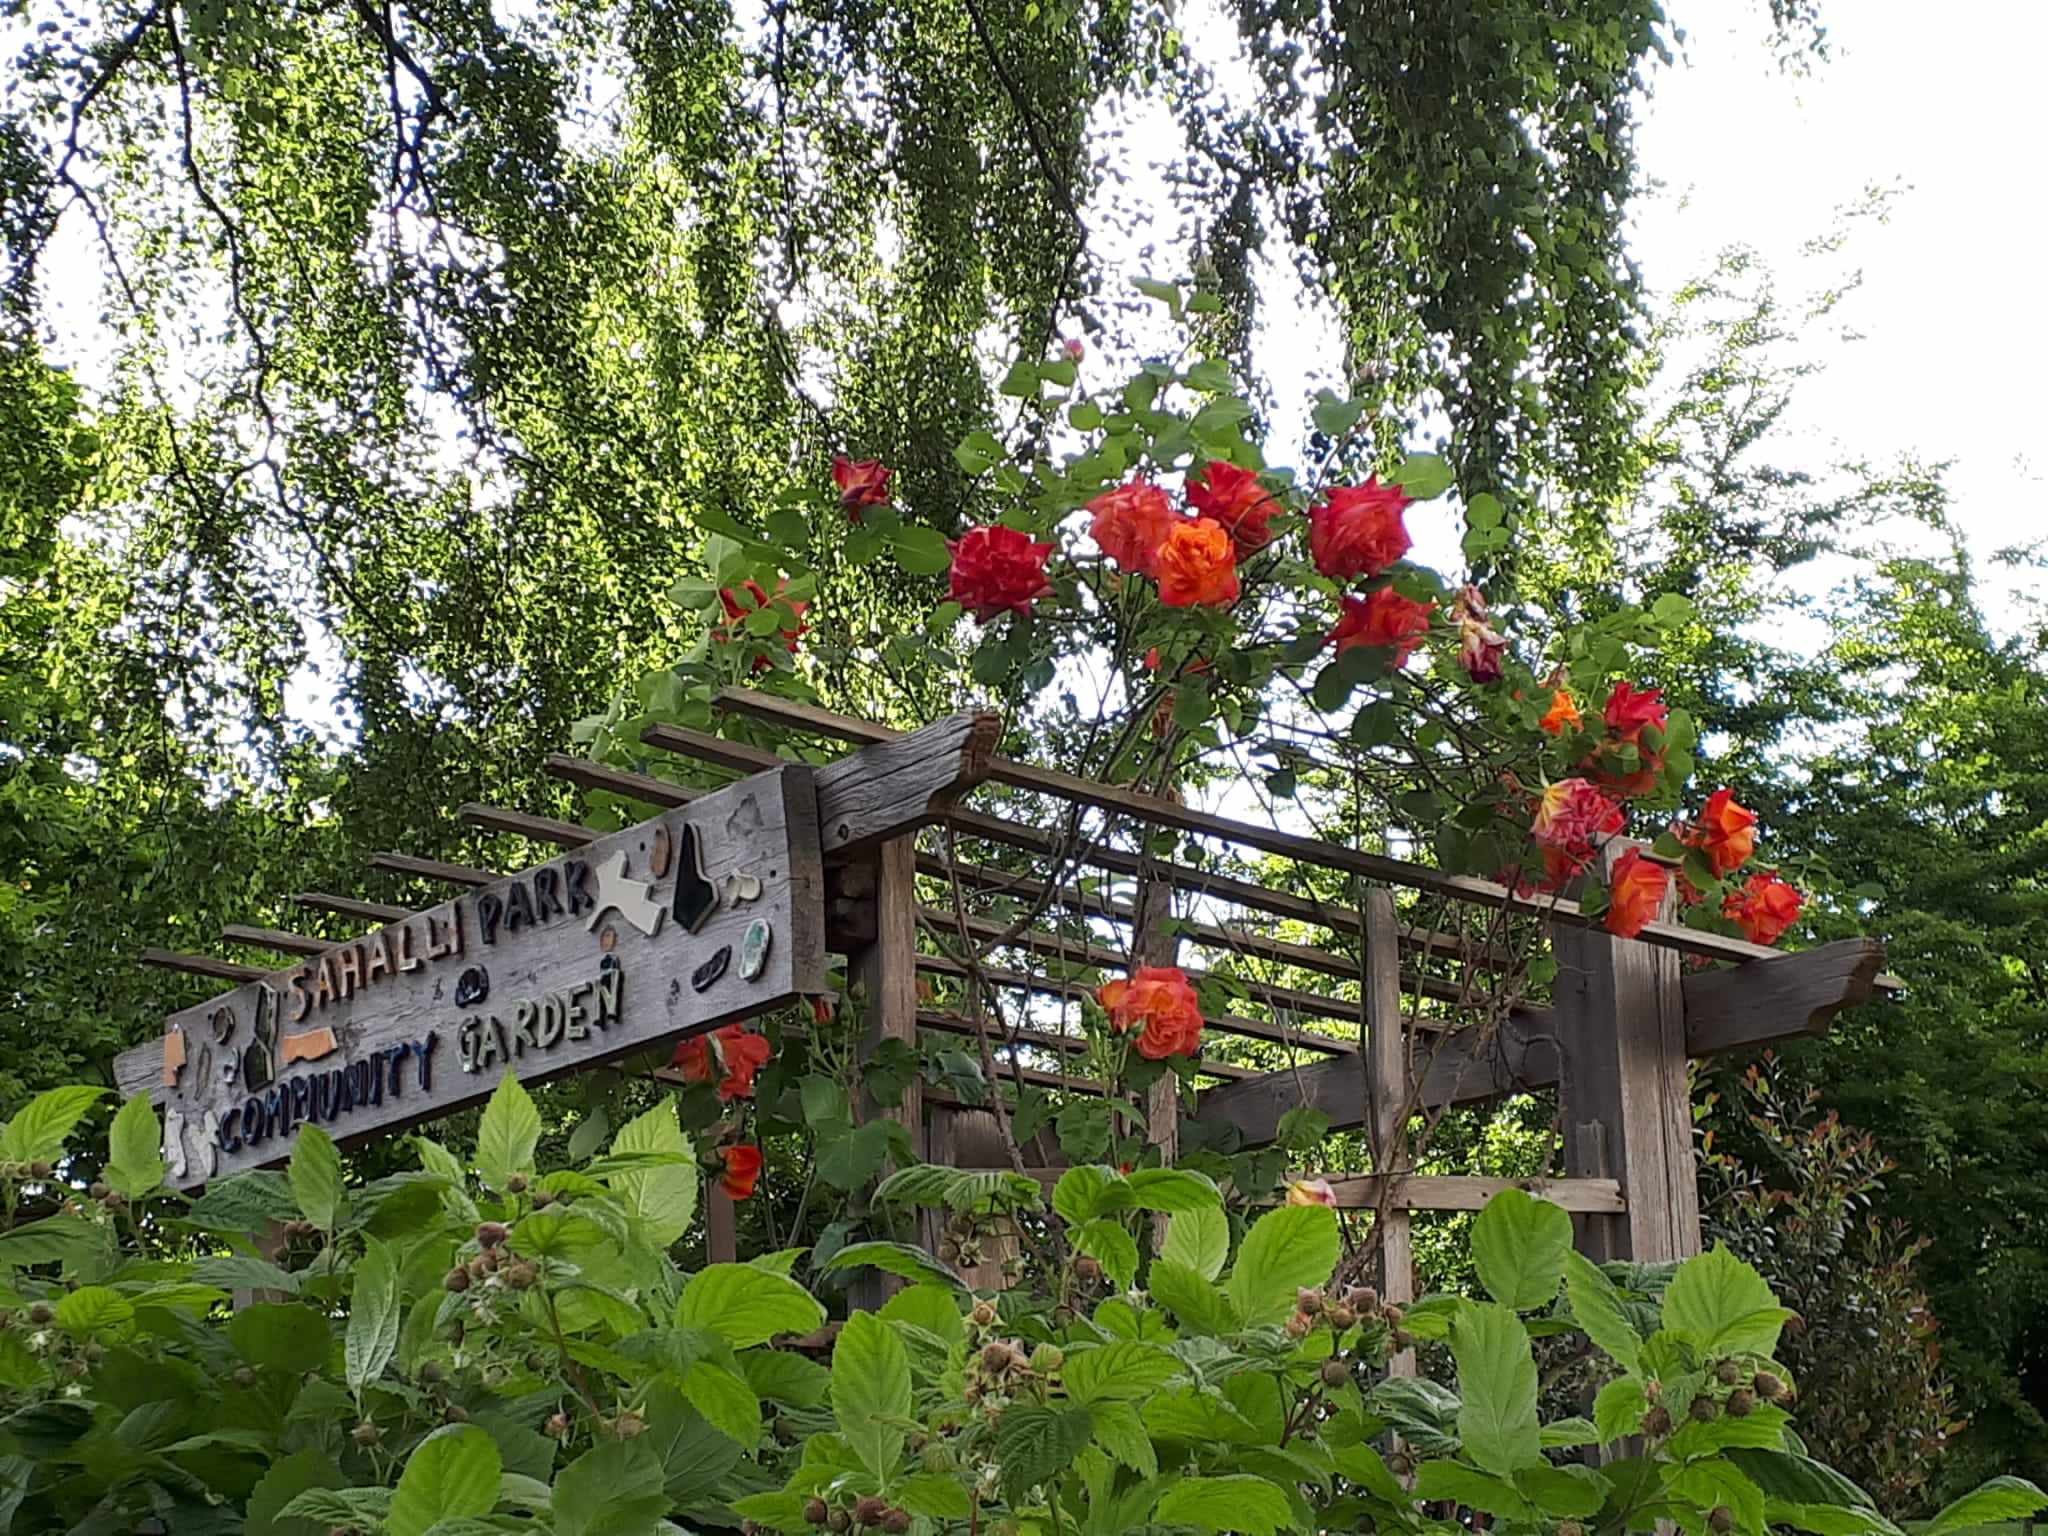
x=350, y=906
x=275, y=938
x=541, y=829
x=1304, y=850
x=1435, y=1192
x=201, y=965
x=1066, y=1045
x=433, y=869
x=616, y=781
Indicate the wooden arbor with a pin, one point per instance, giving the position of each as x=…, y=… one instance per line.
x=1377, y=1019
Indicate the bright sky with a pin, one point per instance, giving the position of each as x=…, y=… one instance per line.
x=1942, y=102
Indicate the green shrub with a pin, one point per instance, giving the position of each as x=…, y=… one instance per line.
x=438, y=1354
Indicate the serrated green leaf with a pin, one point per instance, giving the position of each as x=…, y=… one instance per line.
x=1201, y=1306
x=1518, y=1247
x=1118, y=1372
x=1198, y=1239
x=1173, y=1190
x=1423, y=476
x=1596, y=1306
x=871, y=1391
x=1619, y=1408
x=727, y=1403
x=508, y=1135
x=922, y=551
x=1455, y=1483
x=746, y=1306
x=451, y=1474
x=2002, y=1498
x=1497, y=1388
x=38, y=1132
x=663, y=1196
x=898, y=1259
x=1287, y=1249
x=315, y=1175
x=1234, y=1503
x=1723, y=1305
x=1106, y=1240
x=135, y=1162
x=373, y=1307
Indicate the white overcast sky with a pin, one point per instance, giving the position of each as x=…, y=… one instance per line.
x=1945, y=102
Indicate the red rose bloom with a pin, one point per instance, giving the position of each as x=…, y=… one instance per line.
x=1130, y=524
x=998, y=570
x=739, y=1053
x=1358, y=530
x=1197, y=565
x=1157, y=1000
x=1634, y=893
x=1765, y=907
x=1629, y=711
x=742, y=1168
x=1383, y=618
x=756, y=598
x=1726, y=833
x=861, y=482
x=1571, y=813
x=1233, y=497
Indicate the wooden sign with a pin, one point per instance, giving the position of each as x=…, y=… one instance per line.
x=705, y=914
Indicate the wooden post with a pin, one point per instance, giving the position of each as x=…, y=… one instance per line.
x=1153, y=943
x=1623, y=1096
x=721, y=1227
x=971, y=1138
x=1385, y=1060
x=885, y=974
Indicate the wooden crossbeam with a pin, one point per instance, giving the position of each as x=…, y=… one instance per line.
x=200, y=965
x=275, y=938
x=349, y=906
x=1305, y=850
x=1434, y=1192
x=1068, y=1045
x=433, y=869
x=616, y=781
x=1795, y=994
x=542, y=829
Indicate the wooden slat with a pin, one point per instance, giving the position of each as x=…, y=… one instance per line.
x=434, y=869
x=702, y=747
x=891, y=789
x=616, y=781
x=1068, y=1045
x=542, y=829
x=201, y=965
x=1305, y=850
x=1436, y=1192
x=350, y=906
x=1765, y=1000
x=1454, y=1192
x=276, y=938
x=1229, y=1024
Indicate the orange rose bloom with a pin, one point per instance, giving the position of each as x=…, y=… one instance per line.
x=861, y=482
x=1197, y=565
x=1563, y=714
x=1765, y=907
x=1634, y=893
x=1311, y=1192
x=742, y=1168
x=1234, y=498
x=1157, y=1000
x=1130, y=524
x=1357, y=531
x=1383, y=618
x=757, y=597
x=1726, y=833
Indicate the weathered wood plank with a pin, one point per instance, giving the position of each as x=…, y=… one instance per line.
x=1765, y=1000
x=616, y=781
x=541, y=829
x=435, y=869
x=276, y=938
x=888, y=789
x=1433, y=1192
x=883, y=978
x=1620, y=1007
x=1387, y=1086
x=1306, y=850
x=199, y=965
x=350, y=906
x=1460, y=1069
x=566, y=965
